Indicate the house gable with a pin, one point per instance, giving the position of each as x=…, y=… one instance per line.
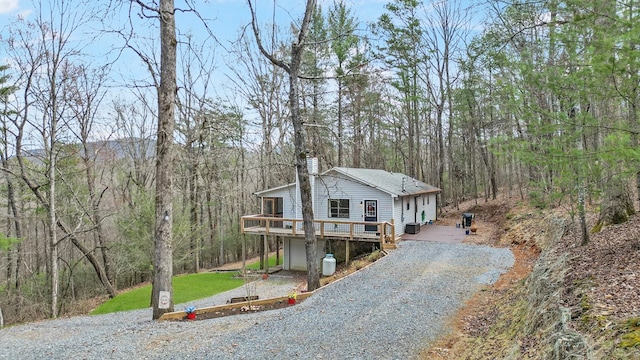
x=288, y=195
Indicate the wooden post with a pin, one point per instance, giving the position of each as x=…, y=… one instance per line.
x=278, y=250
x=346, y=256
x=261, y=250
x=393, y=231
x=266, y=255
x=244, y=253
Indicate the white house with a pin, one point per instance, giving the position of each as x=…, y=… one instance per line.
x=357, y=203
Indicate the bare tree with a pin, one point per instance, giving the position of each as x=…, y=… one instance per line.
x=162, y=289
x=84, y=94
x=14, y=226
x=44, y=55
x=163, y=260
x=262, y=84
x=293, y=70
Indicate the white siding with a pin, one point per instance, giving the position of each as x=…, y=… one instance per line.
x=295, y=254
x=430, y=207
x=403, y=216
x=288, y=199
x=331, y=187
x=398, y=216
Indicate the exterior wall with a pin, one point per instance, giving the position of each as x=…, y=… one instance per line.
x=403, y=216
x=288, y=200
x=430, y=209
x=332, y=187
x=295, y=255
x=398, y=215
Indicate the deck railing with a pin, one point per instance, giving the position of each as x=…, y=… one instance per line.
x=384, y=232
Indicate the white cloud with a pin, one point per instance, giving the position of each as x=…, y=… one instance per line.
x=7, y=6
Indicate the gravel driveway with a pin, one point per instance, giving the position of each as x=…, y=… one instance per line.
x=389, y=310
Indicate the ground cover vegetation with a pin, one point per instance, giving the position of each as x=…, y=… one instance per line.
x=540, y=103
x=187, y=288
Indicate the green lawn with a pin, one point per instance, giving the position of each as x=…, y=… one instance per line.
x=185, y=288
x=272, y=263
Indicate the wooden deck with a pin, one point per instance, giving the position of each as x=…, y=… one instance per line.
x=382, y=232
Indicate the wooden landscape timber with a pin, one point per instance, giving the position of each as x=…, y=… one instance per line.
x=179, y=315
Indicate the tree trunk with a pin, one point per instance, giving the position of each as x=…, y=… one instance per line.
x=313, y=276
x=617, y=204
x=16, y=254
x=293, y=70
x=194, y=242
x=163, y=261
x=340, y=125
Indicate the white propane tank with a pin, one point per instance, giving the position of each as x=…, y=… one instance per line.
x=328, y=265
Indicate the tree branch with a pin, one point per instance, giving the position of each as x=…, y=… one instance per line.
x=256, y=33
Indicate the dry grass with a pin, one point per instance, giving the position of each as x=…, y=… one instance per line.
x=343, y=270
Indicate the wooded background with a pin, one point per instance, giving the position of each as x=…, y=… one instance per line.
x=540, y=103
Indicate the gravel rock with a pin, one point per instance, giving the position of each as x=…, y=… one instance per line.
x=389, y=310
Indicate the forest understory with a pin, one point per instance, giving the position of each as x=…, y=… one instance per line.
x=560, y=299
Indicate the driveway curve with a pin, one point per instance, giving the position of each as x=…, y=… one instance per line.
x=389, y=310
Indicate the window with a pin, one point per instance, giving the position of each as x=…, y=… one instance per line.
x=339, y=208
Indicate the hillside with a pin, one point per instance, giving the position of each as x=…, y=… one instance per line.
x=561, y=300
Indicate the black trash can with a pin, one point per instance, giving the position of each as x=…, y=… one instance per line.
x=466, y=219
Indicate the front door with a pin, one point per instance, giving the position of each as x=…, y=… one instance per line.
x=371, y=214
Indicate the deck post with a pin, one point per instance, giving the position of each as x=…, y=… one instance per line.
x=393, y=230
x=346, y=252
x=261, y=250
x=244, y=253
x=278, y=250
x=266, y=254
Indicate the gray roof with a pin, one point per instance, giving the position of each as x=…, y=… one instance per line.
x=267, y=191
x=396, y=184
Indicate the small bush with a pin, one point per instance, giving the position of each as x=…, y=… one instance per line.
x=632, y=338
x=537, y=200
x=376, y=255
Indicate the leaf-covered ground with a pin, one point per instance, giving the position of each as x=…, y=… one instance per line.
x=608, y=268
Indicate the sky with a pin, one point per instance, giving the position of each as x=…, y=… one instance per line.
x=226, y=15
x=224, y=18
